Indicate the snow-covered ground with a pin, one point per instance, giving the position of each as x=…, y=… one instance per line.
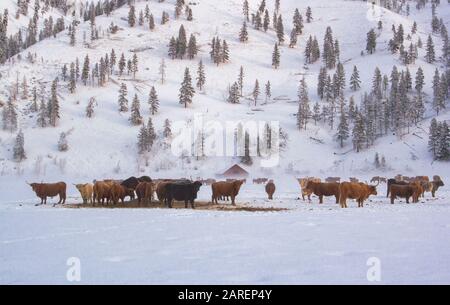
x=306, y=244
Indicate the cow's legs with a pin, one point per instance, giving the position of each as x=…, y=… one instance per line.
x=232, y=200
x=192, y=204
x=186, y=204
x=392, y=199
x=407, y=200
x=321, y=199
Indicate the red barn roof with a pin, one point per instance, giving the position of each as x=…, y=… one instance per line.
x=235, y=171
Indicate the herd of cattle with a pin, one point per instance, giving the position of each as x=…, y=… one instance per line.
x=184, y=190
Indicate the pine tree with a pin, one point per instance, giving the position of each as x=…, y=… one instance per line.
x=54, y=105
x=443, y=147
x=433, y=142
x=201, y=77
x=256, y=92
x=162, y=70
x=276, y=57
x=355, y=82
x=151, y=134
x=430, y=55
x=192, y=47
x=9, y=116
x=268, y=91
x=303, y=110
x=359, y=133
x=280, y=30
x=123, y=101
x=371, y=41
x=420, y=80
x=19, y=148
x=241, y=80
x=85, y=71
x=167, y=133
x=132, y=16
x=309, y=17
x=321, y=82
x=266, y=22
x=135, y=65
x=136, y=118
x=142, y=140
x=246, y=10
x=343, y=128
x=293, y=39
x=25, y=87
x=316, y=113
x=72, y=79
x=181, y=42
x=90, y=108
x=153, y=101
x=186, y=91
x=225, y=54
x=298, y=22
x=233, y=94
x=151, y=22
x=42, y=115
x=243, y=35
x=376, y=161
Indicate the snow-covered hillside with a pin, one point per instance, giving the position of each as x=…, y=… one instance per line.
x=105, y=146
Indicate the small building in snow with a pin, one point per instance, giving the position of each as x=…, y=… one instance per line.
x=235, y=172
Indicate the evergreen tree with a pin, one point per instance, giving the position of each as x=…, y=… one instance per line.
x=135, y=65
x=167, y=133
x=136, y=118
x=256, y=92
x=355, y=82
x=225, y=54
x=173, y=48
x=316, y=113
x=309, y=17
x=359, y=133
x=90, y=108
x=162, y=70
x=54, y=105
x=276, y=57
x=321, y=82
x=151, y=134
x=443, y=147
x=371, y=41
x=19, y=148
x=303, y=110
x=72, y=79
x=246, y=10
x=9, y=116
x=42, y=115
x=343, y=128
x=201, y=77
x=268, y=91
x=85, y=71
x=266, y=21
x=420, y=80
x=192, y=49
x=233, y=94
x=186, y=91
x=153, y=101
x=280, y=30
x=132, y=16
x=293, y=39
x=151, y=22
x=243, y=35
x=143, y=140
x=123, y=101
x=241, y=81
x=430, y=55
x=433, y=142
x=298, y=22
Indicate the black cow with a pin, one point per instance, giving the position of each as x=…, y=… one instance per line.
x=130, y=184
x=182, y=191
x=145, y=179
x=391, y=182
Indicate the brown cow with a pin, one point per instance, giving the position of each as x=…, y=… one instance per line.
x=405, y=191
x=144, y=192
x=86, y=192
x=323, y=189
x=44, y=190
x=119, y=192
x=303, y=182
x=436, y=185
x=270, y=189
x=102, y=192
x=224, y=189
x=358, y=191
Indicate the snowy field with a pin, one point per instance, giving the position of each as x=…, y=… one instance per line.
x=306, y=244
